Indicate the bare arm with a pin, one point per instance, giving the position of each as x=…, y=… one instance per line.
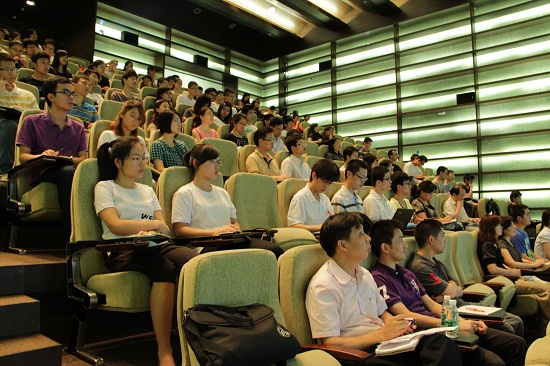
x=131, y=227
x=25, y=154
x=158, y=164
x=312, y=228
x=453, y=290
x=510, y=262
x=496, y=270
x=183, y=230
x=546, y=248
x=80, y=157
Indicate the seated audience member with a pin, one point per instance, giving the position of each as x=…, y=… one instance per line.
x=294, y=133
x=296, y=121
x=521, y=217
x=30, y=48
x=49, y=48
x=515, y=199
x=244, y=100
x=314, y=135
x=164, y=93
x=423, y=208
x=283, y=111
x=294, y=166
x=337, y=307
x=188, y=98
x=15, y=49
x=159, y=107
x=99, y=67
x=266, y=119
x=277, y=125
x=350, y=153
x=175, y=84
x=394, y=157
x=238, y=123
x=346, y=199
x=59, y=64
x=401, y=188
x=405, y=295
x=270, y=110
x=12, y=97
x=216, y=96
x=449, y=181
x=167, y=151
x=129, y=83
x=94, y=78
x=146, y=81
x=229, y=96
x=435, y=276
x=470, y=204
x=248, y=112
x=440, y=177
x=376, y=205
x=512, y=257
x=287, y=125
x=365, y=149
x=260, y=161
x=163, y=83
x=412, y=168
x=152, y=72
x=14, y=36
x=372, y=162
x=128, y=66
x=202, y=101
x=492, y=262
x=85, y=111
x=41, y=66
x=223, y=115
x=328, y=133
x=310, y=207
x=111, y=68
x=542, y=242
x=334, y=152
x=201, y=124
x=454, y=207
x=126, y=123
x=200, y=91
x=386, y=163
x=202, y=209
x=129, y=209
x=53, y=133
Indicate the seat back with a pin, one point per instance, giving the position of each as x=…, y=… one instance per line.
x=350, y=140
x=148, y=119
x=148, y=102
x=229, y=278
x=250, y=137
x=147, y=91
x=80, y=61
x=332, y=189
x=23, y=73
x=412, y=247
x=465, y=258
x=187, y=126
x=33, y=89
x=296, y=268
x=228, y=155
x=382, y=154
x=323, y=150
x=364, y=192
x=189, y=141
x=170, y=180
x=97, y=128
x=306, y=132
x=117, y=83
x=243, y=153
x=441, y=198
x=223, y=130
x=109, y=109
x=255, y=198
x=111, y=91
x=280, y=156
x=285, y=191
x=73, y=68
x=346, y=144
x=311, y=160
x=312, y=149
x=503, y=206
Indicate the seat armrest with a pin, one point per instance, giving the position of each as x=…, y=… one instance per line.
x=496, y=286
x=511, y=278
x=473, y=296
x=338, y=352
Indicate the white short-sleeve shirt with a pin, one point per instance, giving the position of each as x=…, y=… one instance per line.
x=543, y=237
x=295, y=167
x=378, y=207
x=306, y=210
x=110, y=135
x=339, y=305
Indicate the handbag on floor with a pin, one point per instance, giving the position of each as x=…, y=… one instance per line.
x=237, y=336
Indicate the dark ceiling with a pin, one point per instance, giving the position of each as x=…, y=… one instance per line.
x=223, y=24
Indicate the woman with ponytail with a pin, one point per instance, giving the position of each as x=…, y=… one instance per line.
x=128, y=209
x=201, y=124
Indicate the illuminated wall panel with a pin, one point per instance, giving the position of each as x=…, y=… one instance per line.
x=484, y=7
x=411, y=89
x=512, y=34
x=365, y=128
x=514, y=124
x=465, y=113
x=515, y=107
x=514, y=180
x=367, y=97
x=442, y=50
x=369, y=37
x=364, y=68
x=309, y=54
x=436, y=69
x=525, y=68
x=433, y=20
x=312, y=106
x=459, y=165
x=307, y=82
x=525, y=160
x=364, y=112
x=536, y=141
x=441, y=134
x=439, y=100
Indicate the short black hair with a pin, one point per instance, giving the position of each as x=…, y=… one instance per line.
x=162, y=80
x=261, y=134
x=441, y=169
x=514, y=194
x=27, y=42
x=426, y=228
x=38, y=55
x=152, y=68
x=164, y=121
x=382, y=232
x=399, y=179
x=426, y=186
x=423, y=158
x=516, y=211
x=378, y=173
x=545, y=218
x=275, y=121
x=386, y=163
x=414, y=156
x=6, y=57
x=390, y=152
x=456, y=189
x=468, y=176
x=338, y=227
x=161, y=91
x=127, y=75
x=367, y=139
x=49, y=41
x=247, y=108
x=348, y=151
x=325, y=169
x=292, y=142
x=51, y=84
x=354, y=166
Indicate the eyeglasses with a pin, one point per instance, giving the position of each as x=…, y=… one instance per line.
x=241, y=123
x=268, y=140
x=68, y=93
x=301, y=144
x=388, y=178
x=8, y=69
x=17, y=50
x=326, y=181
x=216, y=161
x=360, y=177
x=137, y=159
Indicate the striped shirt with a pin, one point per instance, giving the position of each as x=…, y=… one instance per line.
x=86, y=112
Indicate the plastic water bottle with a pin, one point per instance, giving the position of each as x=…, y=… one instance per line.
x=452, y=319
x=445, y=309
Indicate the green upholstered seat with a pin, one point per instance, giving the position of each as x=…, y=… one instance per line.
x=285, y=191
x=228, y=155
x=312, y=149
x=108, y=109
x=255, y=199
x=280, y=156
x=242, y=155
x=322, y=151
x=223, y=130
x=311, y=159
x=234, y=278
x=189, y=141
x=147, y=91
x=148, y=102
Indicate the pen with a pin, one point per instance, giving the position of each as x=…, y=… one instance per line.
x=474, y=309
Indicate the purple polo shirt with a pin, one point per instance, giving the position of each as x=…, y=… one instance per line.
x=400, y=285
x=39, y=132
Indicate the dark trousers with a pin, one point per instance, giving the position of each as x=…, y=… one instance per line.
x=254, y=243
x=497, y=348
x=8, y=129
x=62, y=177
x=432, y=350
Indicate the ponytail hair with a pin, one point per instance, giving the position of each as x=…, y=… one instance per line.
x=109, y=152
x=198, y=155
x=197, y=120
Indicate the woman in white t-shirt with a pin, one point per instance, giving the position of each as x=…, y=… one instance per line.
x=202, y=209
x=542, y=243
x=127, y=209
x=130, y=117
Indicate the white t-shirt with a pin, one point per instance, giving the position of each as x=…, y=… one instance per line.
x=295, y=167
x=449, y=208
x=278, y=145
x=411, y=169
x=138, y=203
x=378, y=207
x=183, y=99
x=543, y=237
x=109, y=135
x=306, y=210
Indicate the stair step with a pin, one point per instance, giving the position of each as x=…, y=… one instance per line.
x=19, y=315
x=34, y=349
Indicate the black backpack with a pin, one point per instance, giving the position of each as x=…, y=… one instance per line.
x=492, y=208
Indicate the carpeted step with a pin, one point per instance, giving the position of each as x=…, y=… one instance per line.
x=34, y=349
x=19, y=315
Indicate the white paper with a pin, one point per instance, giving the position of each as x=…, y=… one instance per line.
x=479, y=310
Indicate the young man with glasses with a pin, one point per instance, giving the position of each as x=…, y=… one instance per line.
x=53, y=133
x=15, y=49
x=260, y=161
x=346, y=199
x=12, y=97
x=295, y=166
x=310, y=206
x=85, y=111
x=376, y=205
